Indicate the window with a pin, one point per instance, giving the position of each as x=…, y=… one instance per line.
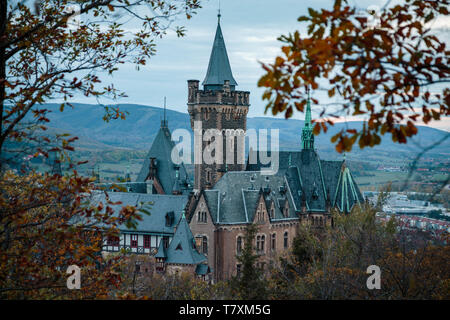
x=238, y=270
x=274, y=242
x=113, y=241
x=208, y=175
x=205, y=245
x=286, y=238
x=165, y=242
x=239, y=245
x=202, y=217
x=134, y=240
x=260, y=240
x=260, y=214
x=146, y=241
x=179, y=247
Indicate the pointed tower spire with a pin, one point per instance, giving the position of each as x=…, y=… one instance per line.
x=307, y=133
x=219, y=69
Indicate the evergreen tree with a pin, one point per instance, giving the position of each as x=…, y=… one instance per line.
x=250, y=284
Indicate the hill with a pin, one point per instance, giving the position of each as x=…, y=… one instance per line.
x=139, y=129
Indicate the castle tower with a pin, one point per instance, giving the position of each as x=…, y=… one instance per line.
x=218, y=106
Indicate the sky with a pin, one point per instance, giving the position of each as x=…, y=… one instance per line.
x=250, y=29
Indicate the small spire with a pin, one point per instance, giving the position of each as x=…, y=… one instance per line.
x=308, y=109
x=307, y=132
x=164, y=121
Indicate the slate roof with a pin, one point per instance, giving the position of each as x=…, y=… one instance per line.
x=202, y=269
x=235, y=196
x=158, y=205
x=219, y=68
x=161, y=149
x=161, y=251
x=182, y=247
x=316, y=183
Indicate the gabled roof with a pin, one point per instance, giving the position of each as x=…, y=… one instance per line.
x=219, y=68
x=182, y=247
x=234, y=198
x=157, y=205
x=161, y=149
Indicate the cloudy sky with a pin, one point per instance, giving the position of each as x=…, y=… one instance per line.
x=250, y=29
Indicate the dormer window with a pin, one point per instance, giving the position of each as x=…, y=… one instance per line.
x=179, y=247
x=169, y=218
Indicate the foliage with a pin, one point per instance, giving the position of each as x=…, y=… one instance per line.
x=250, y=283
x=46, y=221
x=334, y=264
x=385, y=71
x=148, y=284
x=43, y=56
x=46, y=225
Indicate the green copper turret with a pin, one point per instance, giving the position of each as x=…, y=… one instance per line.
x=307, y=131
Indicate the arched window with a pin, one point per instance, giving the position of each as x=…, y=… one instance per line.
x=205, y=245
x=239, y=245
x=208, y=175
x=274, y=242
x=202, y=216
x=286, y=239
x=260, y=243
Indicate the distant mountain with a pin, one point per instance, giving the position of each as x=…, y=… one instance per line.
x=143, y=122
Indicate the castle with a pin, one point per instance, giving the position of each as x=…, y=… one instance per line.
x=200, y=226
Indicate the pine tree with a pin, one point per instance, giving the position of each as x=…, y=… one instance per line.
x=251, y=283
